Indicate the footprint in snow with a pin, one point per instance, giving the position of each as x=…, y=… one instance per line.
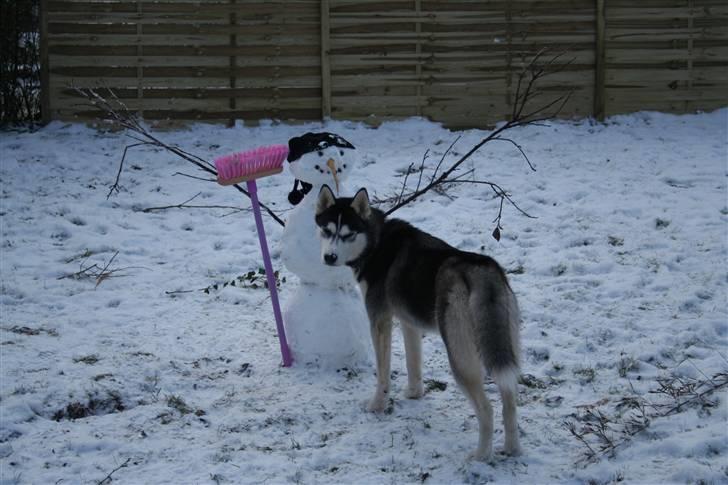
x=77, y=221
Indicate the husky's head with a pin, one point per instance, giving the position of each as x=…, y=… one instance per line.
x=342, y=225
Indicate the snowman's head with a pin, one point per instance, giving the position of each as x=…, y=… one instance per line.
x=321, y=158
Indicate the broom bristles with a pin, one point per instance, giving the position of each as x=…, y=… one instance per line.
x=251, y=164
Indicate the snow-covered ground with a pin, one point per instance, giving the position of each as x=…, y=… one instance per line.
x=621, y=277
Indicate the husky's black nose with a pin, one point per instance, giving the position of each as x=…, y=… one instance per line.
x=330, y=259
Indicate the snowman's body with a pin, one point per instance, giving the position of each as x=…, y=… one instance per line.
x=325, y=320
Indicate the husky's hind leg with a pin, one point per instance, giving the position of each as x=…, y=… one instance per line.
x=467, y=368
x=507, y=382
x=499, y=338
x=413, y=353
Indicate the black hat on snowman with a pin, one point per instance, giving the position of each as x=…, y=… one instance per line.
x=308, y=143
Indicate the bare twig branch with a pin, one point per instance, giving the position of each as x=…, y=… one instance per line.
x=104, y=274
x=526, y=92
x=186, y=205
x=499, y=192
x=404, y=182
x=115, y=185
x=602, y=433
x=520, y=149
x=118, y=113
x=194, y=177
x=442, y=158
x=95, y=271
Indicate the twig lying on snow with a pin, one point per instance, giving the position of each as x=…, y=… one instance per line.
x=526, y=93
x=602, y=433
x=108, y=478
x=118, y=113
x=96, y=272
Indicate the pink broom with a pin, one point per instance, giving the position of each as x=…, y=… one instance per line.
x=247, y=167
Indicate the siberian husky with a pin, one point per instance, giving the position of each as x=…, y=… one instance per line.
x=427, y=284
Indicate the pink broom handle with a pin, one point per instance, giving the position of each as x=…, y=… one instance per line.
x=285, y=351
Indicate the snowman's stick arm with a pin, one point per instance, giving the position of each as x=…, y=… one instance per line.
x=117, y=112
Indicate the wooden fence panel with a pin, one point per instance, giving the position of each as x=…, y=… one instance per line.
x=666, y=56
x=454, y=61
x=194, y=60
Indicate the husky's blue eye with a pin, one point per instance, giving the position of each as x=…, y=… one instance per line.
x=349, y=237
x=326, y=232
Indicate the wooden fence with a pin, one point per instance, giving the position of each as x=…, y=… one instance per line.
x=452, y=61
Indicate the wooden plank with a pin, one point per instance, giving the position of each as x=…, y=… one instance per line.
x=189, y=71
x=85, y=113
x=205, y=93
x=280, y=63
x=600, y=62
x=192, y=28
x=652, y=56
x=650, y=93
x=260, y=10
x=216, y=104
x=82, y=40
x=308, y=82
x=713, y=74
x=225, y=50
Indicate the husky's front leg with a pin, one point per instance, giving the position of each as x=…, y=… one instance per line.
x=413, y=353
x=381, y=328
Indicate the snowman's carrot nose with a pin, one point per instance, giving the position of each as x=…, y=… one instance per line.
x=332, y=166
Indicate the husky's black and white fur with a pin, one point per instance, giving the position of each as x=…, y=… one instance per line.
x=427, y=284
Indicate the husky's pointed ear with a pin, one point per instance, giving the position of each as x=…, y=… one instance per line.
x=360, y=204
x=325, y=199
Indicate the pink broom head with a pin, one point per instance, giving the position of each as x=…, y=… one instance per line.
x=250, y=165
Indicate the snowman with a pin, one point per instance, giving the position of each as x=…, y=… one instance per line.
x=325, y=320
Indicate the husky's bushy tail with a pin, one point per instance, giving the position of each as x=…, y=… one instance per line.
x=496, y=319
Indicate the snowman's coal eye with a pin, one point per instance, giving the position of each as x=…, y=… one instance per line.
x=341, y=152
x=321, y=154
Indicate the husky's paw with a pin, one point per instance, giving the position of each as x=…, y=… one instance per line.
x=414, y=392
x=377, y=404
x=482, y=454
x=512, y=449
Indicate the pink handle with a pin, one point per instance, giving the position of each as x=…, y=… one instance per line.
x=285, y=351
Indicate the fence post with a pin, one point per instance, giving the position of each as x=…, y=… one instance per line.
x=233, y=63
x=45, y=88
x=418, y=51
x=140, y=60
x=325, y=61
x=509, y=60
x=691, y=25
x=600, y=62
